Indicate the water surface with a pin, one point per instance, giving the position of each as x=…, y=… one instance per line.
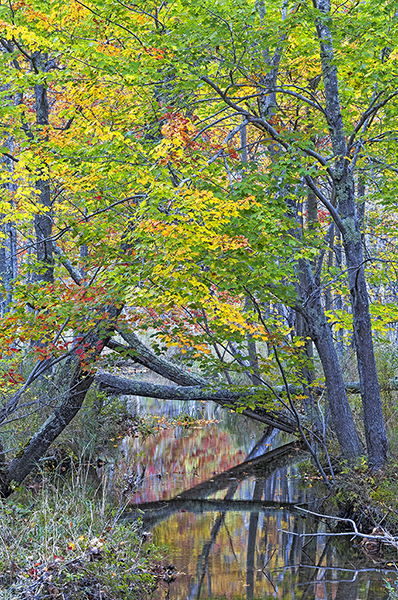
x=226, y=515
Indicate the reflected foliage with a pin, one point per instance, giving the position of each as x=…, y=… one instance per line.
x=229, y=527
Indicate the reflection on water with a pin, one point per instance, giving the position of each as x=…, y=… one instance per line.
x=226, y=525
x=245, y=555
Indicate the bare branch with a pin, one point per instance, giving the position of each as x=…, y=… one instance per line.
x=335, y=215
x=73, y=272
x=112, y=22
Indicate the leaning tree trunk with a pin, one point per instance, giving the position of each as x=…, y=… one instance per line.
x=320, y=333
x=79, y=384
x=376, y=437
x=35, y=449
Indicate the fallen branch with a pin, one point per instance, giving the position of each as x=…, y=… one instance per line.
x=383, y=538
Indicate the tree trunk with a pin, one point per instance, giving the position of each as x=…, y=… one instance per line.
x=22, y=464
x=80, y=382
x=308, y=375
x=319, y=330
x=43, y=218
x=8, y=246
x=376, y=437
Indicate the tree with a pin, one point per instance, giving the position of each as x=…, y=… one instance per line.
x=183, y=154
x=330, y=176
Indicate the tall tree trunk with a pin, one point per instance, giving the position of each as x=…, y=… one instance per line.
x=8, y=245
x=338, y=302
x=43, y=218
x=376, y=437
x=308, y=374
x=309, y=400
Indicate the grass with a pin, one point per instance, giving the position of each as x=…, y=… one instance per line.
x=63, y=540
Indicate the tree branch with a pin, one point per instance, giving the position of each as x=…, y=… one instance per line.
x=73, y=272
x=333, y=212
x=224, y=397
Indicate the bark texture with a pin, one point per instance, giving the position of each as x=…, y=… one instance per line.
x=376, y=437
x=320, y=332
x=43, y=217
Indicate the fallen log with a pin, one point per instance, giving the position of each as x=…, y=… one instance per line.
x=233, y=398
x=155, y=512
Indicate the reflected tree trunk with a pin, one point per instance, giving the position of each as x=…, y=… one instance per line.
x=347, y=590
x=251, y=541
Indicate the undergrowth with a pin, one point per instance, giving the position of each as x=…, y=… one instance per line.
x=63, y=540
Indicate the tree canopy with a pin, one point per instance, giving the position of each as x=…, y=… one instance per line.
x=216, y=178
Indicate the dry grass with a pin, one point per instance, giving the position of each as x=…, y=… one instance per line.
x=63, y=540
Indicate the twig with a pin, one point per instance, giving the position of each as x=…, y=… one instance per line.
x=386, y=538
x=291, y=403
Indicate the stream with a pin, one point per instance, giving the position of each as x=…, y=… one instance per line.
x=221, y=501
